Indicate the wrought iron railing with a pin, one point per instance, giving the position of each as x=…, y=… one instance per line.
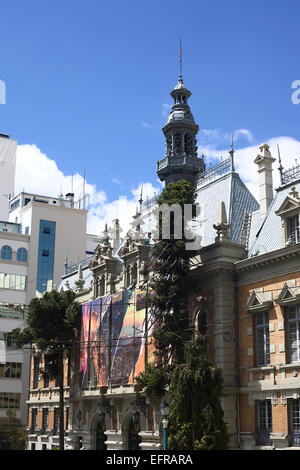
x=214, y=173
x=290, y=175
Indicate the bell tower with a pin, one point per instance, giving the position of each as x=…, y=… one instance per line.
x=181, y=160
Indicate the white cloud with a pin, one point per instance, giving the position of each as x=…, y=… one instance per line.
x=146, y=125
x=244, y=159
x=213, y=138
x=36, y=173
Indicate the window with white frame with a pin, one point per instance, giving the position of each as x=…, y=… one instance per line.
x=293, y=333
x=262, y=337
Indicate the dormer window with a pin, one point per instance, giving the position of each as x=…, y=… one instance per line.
x=289, y=212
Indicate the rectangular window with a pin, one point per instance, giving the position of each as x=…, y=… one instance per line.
x=264, y=421
x=12, y=281
x=10, y=400
x=45, y=262
x=295, y=421
x=56, y=422
x=9, y=343
x=36, y=372
x=33, y=419
x=45, y=419
x=293, y=333
x=262, y=338
x=11, y=370
x=292, y=228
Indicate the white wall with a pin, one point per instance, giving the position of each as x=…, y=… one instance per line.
x=8, y=149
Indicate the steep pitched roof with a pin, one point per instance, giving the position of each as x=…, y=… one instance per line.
x=266, y=235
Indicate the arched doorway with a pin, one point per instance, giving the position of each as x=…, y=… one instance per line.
x=98, y=429
x=134, y=428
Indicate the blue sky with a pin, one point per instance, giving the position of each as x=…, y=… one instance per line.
x=88, y=82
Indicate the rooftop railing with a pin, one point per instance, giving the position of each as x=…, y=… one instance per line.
x=214, y=173
x=10, y=227
x=290, y=175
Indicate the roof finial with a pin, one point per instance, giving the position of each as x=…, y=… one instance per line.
x=141, y=199
x=280, y=168
x=231, y=153
x=180, y=58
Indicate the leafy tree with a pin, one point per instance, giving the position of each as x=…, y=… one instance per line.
x=181, y=367
x=53, y=324
x=16, y=435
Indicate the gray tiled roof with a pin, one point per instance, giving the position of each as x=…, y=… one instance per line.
x=266, y=235
x=237, y=198
x=87, y=276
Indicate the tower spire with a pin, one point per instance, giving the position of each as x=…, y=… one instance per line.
x=280, y=168
x=180, y=58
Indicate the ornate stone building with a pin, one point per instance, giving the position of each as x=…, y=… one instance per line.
x=248, y=269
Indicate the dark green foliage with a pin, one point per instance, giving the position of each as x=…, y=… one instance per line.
x=53, y=324
x=154, y=380
x=196, y=417
x=53, y=321
x=16, y=435
x=181, y=365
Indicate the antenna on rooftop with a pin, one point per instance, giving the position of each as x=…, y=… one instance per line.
x=83, y=189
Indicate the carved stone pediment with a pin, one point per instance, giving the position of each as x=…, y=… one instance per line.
x=259, y=301
x=288, y=295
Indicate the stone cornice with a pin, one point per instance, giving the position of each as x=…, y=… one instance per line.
x=272, y=257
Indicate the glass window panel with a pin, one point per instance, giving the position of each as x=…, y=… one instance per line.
x=294, y=334
x=6, y=281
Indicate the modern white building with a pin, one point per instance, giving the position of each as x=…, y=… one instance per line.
x=8, y=148
x=39, y=237
x=14, y=363
x=57, y=233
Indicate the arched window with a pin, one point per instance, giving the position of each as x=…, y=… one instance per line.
x=22, y=255
x=134, y=273
x=6, y=252
x=201, y=320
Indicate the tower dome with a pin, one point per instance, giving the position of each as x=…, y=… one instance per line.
x=180, y=130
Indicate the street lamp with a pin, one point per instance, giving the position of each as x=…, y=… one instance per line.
x=164, y=410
